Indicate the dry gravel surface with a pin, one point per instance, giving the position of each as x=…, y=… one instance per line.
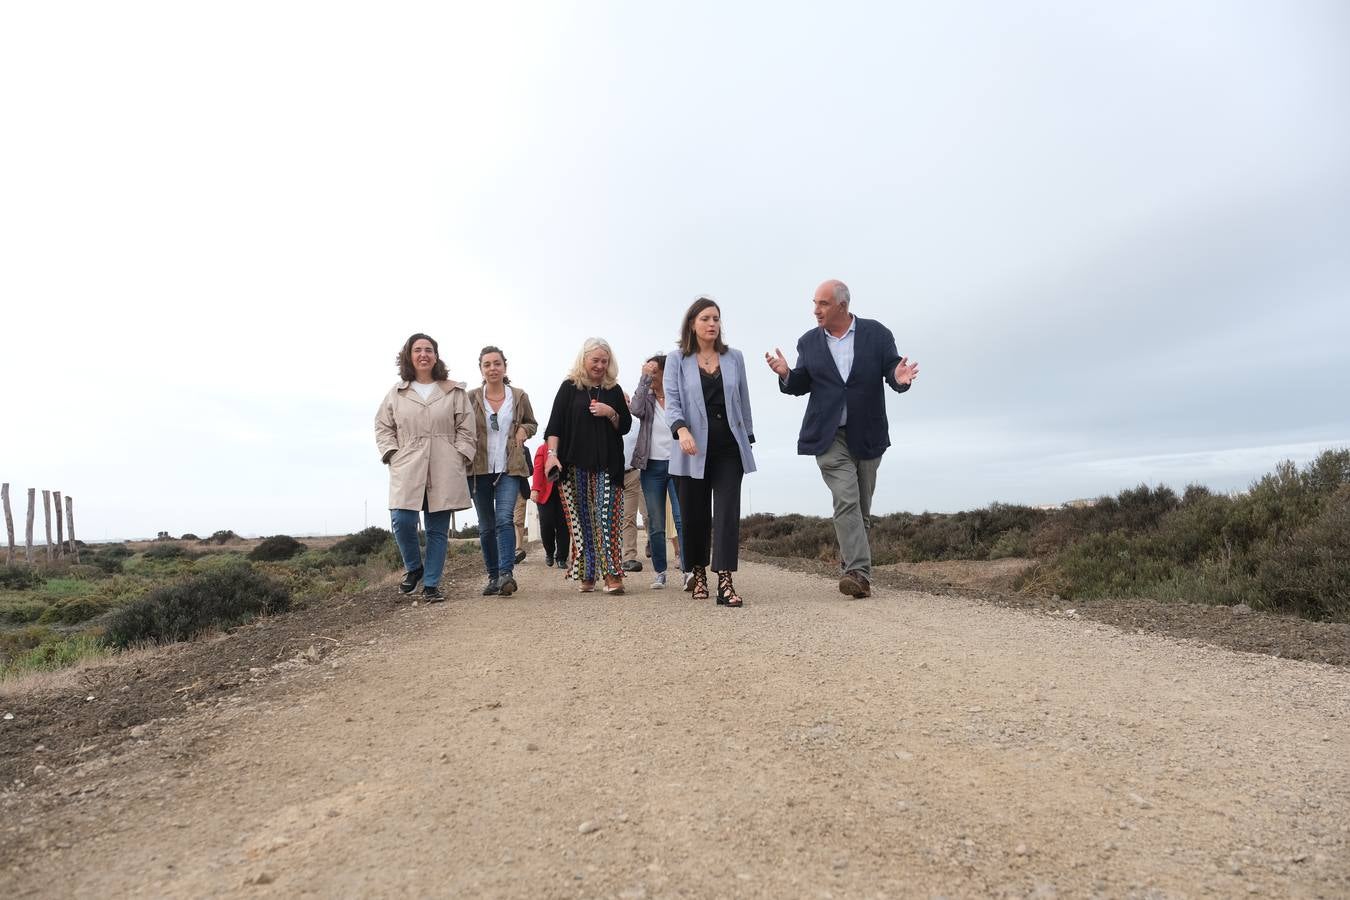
x=555, y=744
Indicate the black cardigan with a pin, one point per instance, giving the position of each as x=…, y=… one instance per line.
x=584, y=440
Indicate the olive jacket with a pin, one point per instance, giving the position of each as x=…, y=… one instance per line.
x=522, y=416
x=428, y=446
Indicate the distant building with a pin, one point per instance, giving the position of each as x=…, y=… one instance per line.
x=1079, y=504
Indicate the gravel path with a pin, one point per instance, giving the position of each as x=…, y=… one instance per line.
x=560, y=745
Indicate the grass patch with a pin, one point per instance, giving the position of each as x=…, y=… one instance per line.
x=55, y=653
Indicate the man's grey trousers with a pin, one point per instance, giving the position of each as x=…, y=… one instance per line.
x=851, y=482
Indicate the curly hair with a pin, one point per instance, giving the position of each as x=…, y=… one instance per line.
x=688, y=342
x=577, y=374
x=405, y=363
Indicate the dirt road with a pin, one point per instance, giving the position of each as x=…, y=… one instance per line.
x=560, y=745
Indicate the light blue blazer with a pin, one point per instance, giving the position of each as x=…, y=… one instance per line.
x=684, y=400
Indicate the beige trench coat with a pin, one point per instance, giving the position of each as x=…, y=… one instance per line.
x=432, y=443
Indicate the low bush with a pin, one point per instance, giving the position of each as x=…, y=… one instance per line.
x=164, y=551
x=221, y=537
x=73, y=610
x=1309, y=573
x=1284, y=545
x=356, y=548
x=18, y=578
x=223, y=598
x=1015, y=542
x=110, y=558
x=21, y=610
x=189, y=536
x=276, y=548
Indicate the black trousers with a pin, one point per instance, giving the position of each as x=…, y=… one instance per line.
x=553, y=526
x=710, y=511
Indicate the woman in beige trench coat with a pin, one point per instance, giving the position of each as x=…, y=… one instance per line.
x=425, y=433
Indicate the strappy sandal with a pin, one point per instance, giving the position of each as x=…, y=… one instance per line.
x=613, y=584
x=700, y=583
x=726, y=591
x=587, y=587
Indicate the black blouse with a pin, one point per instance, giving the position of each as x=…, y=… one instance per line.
x=584, y=440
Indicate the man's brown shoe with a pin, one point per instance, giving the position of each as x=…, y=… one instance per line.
x=855, y=584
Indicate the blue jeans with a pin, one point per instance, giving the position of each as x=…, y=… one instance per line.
x=404, y=523
x=657, y=486
x=494, y=499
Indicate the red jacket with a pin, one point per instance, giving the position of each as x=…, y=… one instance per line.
x=539, y=482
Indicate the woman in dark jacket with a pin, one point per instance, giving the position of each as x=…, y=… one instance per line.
x=585, y=452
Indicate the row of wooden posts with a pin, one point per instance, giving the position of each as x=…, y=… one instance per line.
x=57, y=550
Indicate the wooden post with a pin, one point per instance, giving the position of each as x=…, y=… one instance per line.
x=70, y=527
x=32, y=504
x=9, y=525
x=60, y=531
x=47, y=519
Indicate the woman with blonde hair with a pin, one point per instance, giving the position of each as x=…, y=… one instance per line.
x=424, y=432
x=585, y=455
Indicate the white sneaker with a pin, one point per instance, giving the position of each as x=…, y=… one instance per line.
x=688, y=580
x=660, y=581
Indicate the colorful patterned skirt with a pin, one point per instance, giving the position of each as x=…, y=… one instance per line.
x=594, y=512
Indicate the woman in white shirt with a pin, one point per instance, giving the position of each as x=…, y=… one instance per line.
x=505, y=421
x=651, y=457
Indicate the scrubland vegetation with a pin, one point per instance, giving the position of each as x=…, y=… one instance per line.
x=1283, y=545
x=53, y=615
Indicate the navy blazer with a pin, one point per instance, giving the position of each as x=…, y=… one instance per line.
x=874, y=362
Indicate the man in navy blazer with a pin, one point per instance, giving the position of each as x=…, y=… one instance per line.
x=842, y=364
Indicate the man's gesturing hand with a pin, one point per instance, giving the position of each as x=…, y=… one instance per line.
x=778, y=363
x=906, y=372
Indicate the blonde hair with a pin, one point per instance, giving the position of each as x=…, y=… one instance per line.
x=577, y=374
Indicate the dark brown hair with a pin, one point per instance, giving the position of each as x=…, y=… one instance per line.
x=688, y=342
x=506, y=379
x=404, y=359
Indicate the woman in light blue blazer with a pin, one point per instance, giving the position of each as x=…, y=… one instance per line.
x=708, y=407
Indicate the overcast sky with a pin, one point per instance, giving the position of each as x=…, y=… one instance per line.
x=1116, y=238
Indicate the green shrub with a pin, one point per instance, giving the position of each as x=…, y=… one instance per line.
x=110, y=558
x=223, y=598
x=18, y=578
x=73, y=610
x=165, y=551
x=277, y=547
x=221, y=537
x=189, y=536
x=356, y=548
x=1015, y=542
x=1309, y=573
x=82, y=572
x=121, y=589
x=1284, y=545
x=21, y=610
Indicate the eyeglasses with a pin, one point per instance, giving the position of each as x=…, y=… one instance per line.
x=492, y=420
